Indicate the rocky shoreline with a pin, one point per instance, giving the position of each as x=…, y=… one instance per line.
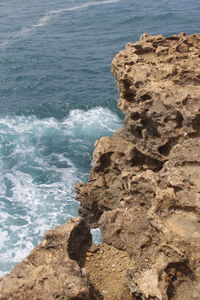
x=143, y=192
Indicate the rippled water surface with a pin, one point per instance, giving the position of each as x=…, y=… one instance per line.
x=57, y=97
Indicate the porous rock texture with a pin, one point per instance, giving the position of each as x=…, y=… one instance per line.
x=144, y=186
x=52, y=270
x=143, y=192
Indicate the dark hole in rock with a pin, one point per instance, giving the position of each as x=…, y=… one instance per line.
x=139, y=49
x=79, y=241
x=143, y=246
x=185, y=101
x=136, y=131
x=190, y=163
x=176, y=188
x=196, y=123
x=104, y=162
x=166, y=148
x=129, y=96
x=194, y=134
x=179, y=119
x=145, y=97
x=187, y=43
x=151, y=127
x=131, y=63
x=196, y=127
x=173, y=38
x=177, y=273
x=139, y=159
x=154, y=164
x=118, y=231
x=186, y=80
x=127, y=84
x=135, y=116
x=159, y=42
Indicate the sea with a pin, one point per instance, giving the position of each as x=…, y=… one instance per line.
x=57, y=96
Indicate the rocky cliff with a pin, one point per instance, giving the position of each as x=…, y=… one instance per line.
x=143, y=192
x=144, y=186
x=53, y=269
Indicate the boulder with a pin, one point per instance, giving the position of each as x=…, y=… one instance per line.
x=53, y=268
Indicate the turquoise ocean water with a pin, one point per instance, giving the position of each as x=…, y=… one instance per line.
x=57, y=97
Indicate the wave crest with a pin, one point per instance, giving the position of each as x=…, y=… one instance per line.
x=41, y=160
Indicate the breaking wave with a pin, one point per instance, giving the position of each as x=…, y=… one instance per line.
x=41, y=160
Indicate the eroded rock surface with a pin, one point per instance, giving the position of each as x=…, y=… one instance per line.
x=143, y=192
x=52, y=269
x=144, y=187
x=158, y=80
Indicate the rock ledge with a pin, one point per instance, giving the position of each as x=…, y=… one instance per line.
x=144, y=187
x=143, y=192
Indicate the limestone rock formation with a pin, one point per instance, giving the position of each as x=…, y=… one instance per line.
x=52, y=269
x=144, y=186
x=143, y=192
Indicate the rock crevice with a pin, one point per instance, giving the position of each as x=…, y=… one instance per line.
x=143, y=191
x=52, y=270
x=146, y=191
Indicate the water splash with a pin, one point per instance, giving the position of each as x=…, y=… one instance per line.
x=41, y=160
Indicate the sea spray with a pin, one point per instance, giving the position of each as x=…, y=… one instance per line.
x=41, y=160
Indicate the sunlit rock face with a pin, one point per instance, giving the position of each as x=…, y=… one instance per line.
x=144, y=186
x=52, y=269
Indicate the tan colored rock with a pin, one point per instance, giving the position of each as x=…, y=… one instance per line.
x=159, y=92
x=107, y=269
x=52, y=269
x=144, y=187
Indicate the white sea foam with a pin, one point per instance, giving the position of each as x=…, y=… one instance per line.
x=41, y=160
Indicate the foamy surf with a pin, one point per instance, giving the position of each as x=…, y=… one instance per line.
x=41, y=160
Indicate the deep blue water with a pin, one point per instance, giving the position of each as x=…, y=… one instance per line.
x=57, y=97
